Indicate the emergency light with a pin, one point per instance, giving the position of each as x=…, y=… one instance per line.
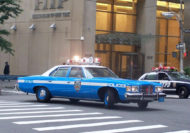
x=164, y=68
x=83, y=61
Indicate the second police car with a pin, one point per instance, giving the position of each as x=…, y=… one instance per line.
x=173, y=82
x=90, y=82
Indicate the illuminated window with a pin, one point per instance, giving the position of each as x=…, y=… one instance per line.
x=168, y=31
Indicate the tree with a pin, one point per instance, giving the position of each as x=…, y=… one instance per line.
x=8, y=9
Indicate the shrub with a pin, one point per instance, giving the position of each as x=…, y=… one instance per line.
x=187, y=71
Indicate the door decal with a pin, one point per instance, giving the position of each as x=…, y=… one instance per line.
x=77, y=85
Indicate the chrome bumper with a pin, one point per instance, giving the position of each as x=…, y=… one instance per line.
x=141, y=96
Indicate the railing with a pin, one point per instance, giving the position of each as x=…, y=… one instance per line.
x=10, y=77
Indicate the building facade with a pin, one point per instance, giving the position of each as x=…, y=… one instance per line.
x=130, y=36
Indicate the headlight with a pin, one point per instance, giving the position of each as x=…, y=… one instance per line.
x=132, y=88
x=158, y=89
x=135, y=88
x=128, y=88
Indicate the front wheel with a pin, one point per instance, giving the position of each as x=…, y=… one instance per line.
x=183, y=92
x=142, y=105
x=109, y=99
x=43, y=94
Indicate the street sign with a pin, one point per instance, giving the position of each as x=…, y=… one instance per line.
x=187, y=30
x=180, y=46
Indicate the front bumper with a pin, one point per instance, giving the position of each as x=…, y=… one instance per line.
x=147, y=97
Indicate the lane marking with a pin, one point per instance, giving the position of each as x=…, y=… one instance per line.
x=128, y=129
x=18, y=106
x=11, y=104
x=65, y=120
x=13, y=91
x=34, y=112
x=56, y=115
x=85, y=125
x=172, y=96
x=22, y=109
x=181, y=131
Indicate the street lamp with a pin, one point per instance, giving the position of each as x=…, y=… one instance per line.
x=178, y=16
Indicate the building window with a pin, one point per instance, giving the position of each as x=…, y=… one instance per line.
x=168, y=33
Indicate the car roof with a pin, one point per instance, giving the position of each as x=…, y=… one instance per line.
x=81, y=66
x=84, y=66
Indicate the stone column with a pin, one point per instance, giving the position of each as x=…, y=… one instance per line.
x=89, y=27
x=146, y=27
x=83, y=27
x=187, y=35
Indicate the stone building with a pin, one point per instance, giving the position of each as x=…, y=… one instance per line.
x=130, y=36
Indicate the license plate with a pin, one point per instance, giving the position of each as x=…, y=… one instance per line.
x=161, y=99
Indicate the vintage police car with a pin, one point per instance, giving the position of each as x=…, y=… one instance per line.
x=173, y=82
x=90, y=82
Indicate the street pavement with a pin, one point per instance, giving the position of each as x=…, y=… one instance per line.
x=20, y=113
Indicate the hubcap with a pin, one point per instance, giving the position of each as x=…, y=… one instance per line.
x=182, y=92
x=107, y=98
x=42, y=93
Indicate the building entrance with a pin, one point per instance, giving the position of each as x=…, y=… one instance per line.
x=129, y=65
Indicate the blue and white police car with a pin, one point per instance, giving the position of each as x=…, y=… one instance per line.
x=90, y=82
x=173, y=82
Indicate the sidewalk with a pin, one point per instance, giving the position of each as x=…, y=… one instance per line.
x=7, y=85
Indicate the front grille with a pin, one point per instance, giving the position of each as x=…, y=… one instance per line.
x=147, y=89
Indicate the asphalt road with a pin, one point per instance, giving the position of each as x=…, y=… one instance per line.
x=21, y=113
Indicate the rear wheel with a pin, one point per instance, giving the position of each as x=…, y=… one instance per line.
x=142, y=105
x=43, y=94
x=183, y=92
x=109, y=98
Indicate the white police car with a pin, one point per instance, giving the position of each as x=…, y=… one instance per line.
x=90, y=82
x=173, y=82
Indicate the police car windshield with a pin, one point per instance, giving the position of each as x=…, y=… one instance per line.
x=101, y=72
x=178, y=76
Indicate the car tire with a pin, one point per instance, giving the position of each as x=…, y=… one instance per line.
x=74, y=100
x=142, y=105
x=43, y=94
x=183, y=92
x=109, y=99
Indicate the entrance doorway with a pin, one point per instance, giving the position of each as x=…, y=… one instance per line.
x=129, y=65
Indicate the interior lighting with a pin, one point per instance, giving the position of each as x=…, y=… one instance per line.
x=126, y=0
x=125, y=7
x=175, y=5
x=101, y=4
x=162, y=3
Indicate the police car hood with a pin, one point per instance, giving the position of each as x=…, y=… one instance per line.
x=125, y=81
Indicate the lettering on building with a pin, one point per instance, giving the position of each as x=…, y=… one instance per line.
x=51, y=15
x=49, y=4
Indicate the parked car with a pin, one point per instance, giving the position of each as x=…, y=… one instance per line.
x=90, y=82
x=173, y=82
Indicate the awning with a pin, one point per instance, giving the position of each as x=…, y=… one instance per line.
x=118, y=38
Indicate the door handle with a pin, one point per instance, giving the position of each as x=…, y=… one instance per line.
x=49, y=81
x=68, y=82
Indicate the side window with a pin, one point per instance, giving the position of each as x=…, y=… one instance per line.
x=76, y=72
x=61, y=72
x=163, y=76
x=152, y=76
